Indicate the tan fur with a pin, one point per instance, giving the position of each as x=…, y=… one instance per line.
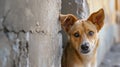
x=72, y=57
x=97, y=18
x=67, y=21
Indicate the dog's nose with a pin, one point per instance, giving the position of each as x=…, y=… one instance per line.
x=85, y=46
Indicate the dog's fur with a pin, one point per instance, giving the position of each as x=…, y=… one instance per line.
x=72, y=53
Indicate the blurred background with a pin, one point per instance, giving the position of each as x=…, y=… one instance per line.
x=30, y=32
x=109, y=50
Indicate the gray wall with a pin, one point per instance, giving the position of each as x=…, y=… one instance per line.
x=29, y=33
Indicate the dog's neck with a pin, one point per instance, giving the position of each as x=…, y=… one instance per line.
x=87, y=60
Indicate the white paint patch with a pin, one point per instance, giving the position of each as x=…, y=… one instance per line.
x=27, y=36
x=28, y=62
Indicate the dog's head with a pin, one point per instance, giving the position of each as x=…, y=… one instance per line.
x=82, y=34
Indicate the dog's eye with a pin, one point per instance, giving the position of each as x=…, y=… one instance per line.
x=76, y=35
x=91, y=33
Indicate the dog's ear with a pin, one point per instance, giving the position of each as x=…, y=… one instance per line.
x=67, y=21
x=97, y=18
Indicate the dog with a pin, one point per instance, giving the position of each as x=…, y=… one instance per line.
x=81, y=48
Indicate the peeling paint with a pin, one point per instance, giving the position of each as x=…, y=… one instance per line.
x=27, y=65
x=27, y=36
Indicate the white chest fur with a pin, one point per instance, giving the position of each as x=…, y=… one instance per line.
x=84, y=65
x=88, y=65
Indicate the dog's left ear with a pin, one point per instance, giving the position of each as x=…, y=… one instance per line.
x=67, y=21
x=97, y=18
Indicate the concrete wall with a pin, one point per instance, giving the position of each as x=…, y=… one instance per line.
x=29, y=33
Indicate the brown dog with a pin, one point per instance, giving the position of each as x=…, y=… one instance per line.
x=80, y=50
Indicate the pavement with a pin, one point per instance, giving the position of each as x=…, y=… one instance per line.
x=112, y=57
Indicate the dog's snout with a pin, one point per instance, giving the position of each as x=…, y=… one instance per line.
x=85, y=46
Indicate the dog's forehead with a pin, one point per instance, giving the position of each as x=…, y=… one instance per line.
x=83, y=25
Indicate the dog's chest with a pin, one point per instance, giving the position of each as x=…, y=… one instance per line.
x=88, y=65
x=83, y=65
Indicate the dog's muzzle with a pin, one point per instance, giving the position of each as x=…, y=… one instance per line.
x=85, y=48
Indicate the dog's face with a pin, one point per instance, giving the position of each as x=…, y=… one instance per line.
x=82, y=34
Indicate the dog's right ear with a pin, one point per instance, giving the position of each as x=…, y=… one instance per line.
x=97, y=18
x=67, y=21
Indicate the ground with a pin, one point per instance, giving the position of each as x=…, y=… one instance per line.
x=112, y=58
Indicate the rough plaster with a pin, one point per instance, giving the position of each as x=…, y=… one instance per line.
x=29, y=33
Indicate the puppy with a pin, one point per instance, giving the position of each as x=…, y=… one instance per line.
x=81, y=49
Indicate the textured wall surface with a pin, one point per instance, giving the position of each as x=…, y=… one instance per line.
x=77, y=7
x=29, y=33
